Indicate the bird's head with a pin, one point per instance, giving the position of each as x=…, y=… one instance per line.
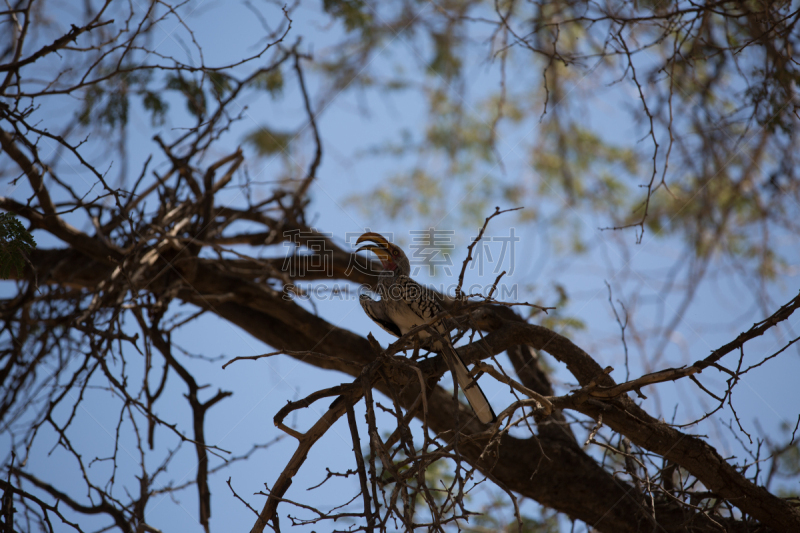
x=391, y=256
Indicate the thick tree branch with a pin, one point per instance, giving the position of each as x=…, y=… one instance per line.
x=286, y=326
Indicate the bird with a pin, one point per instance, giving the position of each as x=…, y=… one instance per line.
x=405, y=304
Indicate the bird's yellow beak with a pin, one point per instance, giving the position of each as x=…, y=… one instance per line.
x=374, y=237
x=386, y=251
x=382, y=253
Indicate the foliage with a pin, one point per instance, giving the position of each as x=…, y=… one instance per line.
x=270, y=81
x=269, y=142
x=15, y=245
x=192, y=91
x=354, y=13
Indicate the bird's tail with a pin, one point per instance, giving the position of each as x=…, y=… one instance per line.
x=475, y=396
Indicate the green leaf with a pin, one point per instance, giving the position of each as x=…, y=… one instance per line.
x=271, y=81
x=15, y=244
x=92, y=95
x=195, y=98
x=445, y=60
x=107, y=107
x=351, y=12
x=157, y=107
x=116, y=109
x=268, y=142
x=220, y=84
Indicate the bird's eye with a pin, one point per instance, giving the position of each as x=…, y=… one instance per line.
x=395, y=253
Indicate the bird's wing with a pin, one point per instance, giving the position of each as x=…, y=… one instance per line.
x=375, y=311
x=422, y=301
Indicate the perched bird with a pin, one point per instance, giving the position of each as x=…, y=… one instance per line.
x=405, y=304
